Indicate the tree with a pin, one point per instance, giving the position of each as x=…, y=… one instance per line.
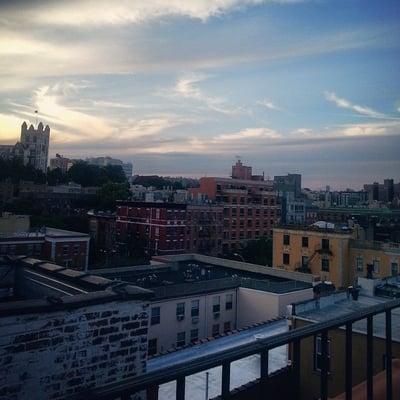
x=55, y=177
x=16, y=171
x=109, y=193
x=258, y=251
x=92, y=175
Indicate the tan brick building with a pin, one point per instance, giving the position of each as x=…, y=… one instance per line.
x=323, y=252
x=333, y=254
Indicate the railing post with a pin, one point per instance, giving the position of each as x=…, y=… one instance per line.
x=226, y=380
x=180, y=388
x=349, y=361
x=370, y=371
x=264, y=364
x=296, y=366
x=389, y=383
x=324, y=366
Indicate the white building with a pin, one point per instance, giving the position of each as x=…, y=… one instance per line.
x=197, y=296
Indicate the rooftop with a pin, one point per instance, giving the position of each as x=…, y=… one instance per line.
x=342, y=230
x=32, y=285
x=42, y=233
x=187, y=276
x=339, y=304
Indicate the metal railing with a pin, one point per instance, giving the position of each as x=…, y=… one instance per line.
x=224, y=358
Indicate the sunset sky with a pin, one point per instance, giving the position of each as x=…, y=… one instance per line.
x=182, y=87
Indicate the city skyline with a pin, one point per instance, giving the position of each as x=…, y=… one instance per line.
x=291, y=86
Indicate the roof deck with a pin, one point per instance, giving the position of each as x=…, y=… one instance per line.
x=187, y=277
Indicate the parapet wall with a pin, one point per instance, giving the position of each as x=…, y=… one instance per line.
x=54, y=354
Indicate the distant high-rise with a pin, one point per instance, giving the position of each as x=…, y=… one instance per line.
x=35, y=145
x=104, y=161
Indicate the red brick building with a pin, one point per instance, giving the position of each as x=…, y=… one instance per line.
x=170, y=228
x=159, y=226
x=250, y=205
x=204, y=229
x=67, y=248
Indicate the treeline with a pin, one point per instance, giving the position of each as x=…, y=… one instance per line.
x=87, y=175
x=15, y=171
x=160, y=182
x=81, y=172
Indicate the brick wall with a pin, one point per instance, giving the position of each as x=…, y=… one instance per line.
x=54, y=354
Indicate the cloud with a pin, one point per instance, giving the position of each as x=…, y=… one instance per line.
x=248, y=134
x=343, y=103
x=187, y=88
x=86, y=13
x=268, y=104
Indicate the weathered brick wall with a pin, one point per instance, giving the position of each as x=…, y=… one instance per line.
x=53, y=354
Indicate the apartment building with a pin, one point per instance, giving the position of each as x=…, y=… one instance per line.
x=333, y=253
x=67, y=248
x=170, y=228
x=374, y=259
x=319, y=251
x=197, y=296
x=251, y=206
x=204, y=229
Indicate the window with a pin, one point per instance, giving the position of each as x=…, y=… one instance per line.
x=152, y=347
x=76, y=249
x=304, y=261
x=376, y=263
x=180, y=339
x=180, y=310
x=227, y=326
x=155, y=316
x=216, y=304
x=65, y=250
x=286, y=240
x=304, y=241
x=229, y=302
x=215, y=329
x=286, y=259
x=318, y=353
x=325, y=244
x=359, y=263
x=394, y=268
x=194, y=335
x=195, y=308
x=325, y=264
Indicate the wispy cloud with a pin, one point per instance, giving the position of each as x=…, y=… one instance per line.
x=268, y=104
x=246, y=134
x=346, y=104
x=102, y=12
x=187, y=87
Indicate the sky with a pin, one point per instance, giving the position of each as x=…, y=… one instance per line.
x=183, y=87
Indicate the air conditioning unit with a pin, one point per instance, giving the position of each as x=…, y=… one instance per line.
x=216, y=315
x=180, y=317
x=195, y=320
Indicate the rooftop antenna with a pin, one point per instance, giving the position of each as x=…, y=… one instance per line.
x=36, y=115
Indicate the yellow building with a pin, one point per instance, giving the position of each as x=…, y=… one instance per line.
x=319, y=251
x=383, y=258
x=333, y=254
